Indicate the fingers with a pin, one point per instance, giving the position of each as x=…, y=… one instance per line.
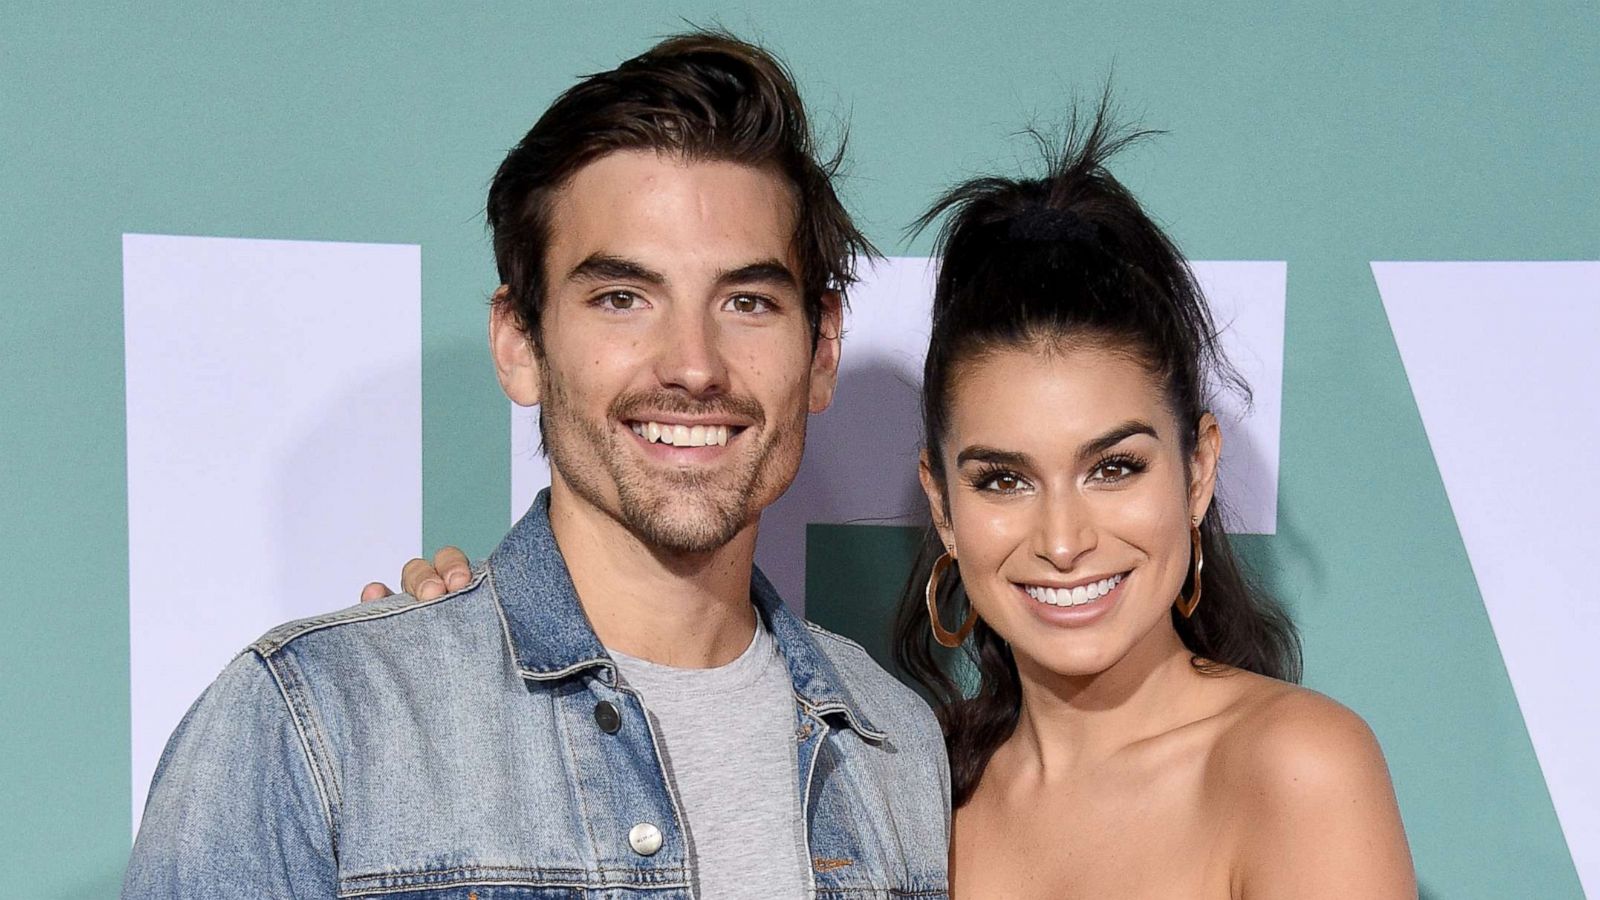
x=449, y=571
x=421, y=580
x=453, y=566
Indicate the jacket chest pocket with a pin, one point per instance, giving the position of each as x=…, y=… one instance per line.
x=874, y=833
x=489, y=890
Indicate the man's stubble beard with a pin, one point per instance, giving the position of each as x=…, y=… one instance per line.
x=679, y=512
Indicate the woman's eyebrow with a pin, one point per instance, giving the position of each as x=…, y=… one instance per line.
x=994, y=456
x=1116, y=436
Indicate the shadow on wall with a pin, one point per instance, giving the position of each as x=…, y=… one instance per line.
x=860, y=467
x=1265, y=555
x=1288, y=541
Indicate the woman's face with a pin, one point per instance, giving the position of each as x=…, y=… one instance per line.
x=1069, y=501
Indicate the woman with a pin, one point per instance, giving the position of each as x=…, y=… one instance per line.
x=1133, y=730
x=1130, y=726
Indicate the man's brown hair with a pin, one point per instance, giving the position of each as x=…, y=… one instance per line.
x=703, y=95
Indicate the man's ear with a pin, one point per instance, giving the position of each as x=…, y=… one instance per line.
x=516, y=362
x=1203, y=467
x=936, y=500
x=825, y=358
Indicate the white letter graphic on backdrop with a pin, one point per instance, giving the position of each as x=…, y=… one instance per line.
x=1502, y=362
x=274, y=448
x=861, y=455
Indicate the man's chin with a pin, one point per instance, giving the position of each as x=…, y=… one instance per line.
x=683, y=526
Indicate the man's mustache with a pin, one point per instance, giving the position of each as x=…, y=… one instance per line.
x=733, y=406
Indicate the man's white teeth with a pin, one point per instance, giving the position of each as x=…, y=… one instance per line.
x=682, y=435
x=1077, y=596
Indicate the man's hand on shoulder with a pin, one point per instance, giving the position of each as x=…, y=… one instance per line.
x=449, y=571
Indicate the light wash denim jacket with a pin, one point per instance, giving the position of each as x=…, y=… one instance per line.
x=452, y=749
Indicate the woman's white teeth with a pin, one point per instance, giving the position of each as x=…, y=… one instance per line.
x=682, y=435
x=1077, y=596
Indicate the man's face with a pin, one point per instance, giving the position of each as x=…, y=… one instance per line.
x=677, y=366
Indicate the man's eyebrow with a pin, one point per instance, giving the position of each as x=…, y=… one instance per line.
x=767, y=271
x=605, y=267
x=1116, y=436
x=994, y=456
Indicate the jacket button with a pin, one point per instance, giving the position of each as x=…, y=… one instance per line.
x=607, y=717
x=645, y=839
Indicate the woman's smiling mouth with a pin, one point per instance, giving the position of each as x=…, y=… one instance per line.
x=1077, y=605
x=1074, y=596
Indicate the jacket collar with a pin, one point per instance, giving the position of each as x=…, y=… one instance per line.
x=551, y=638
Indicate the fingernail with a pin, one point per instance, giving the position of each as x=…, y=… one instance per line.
x=458, y=580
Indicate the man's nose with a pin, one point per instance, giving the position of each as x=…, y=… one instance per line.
x=691, y=357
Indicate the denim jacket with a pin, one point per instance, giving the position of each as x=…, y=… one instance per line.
x=453, y=749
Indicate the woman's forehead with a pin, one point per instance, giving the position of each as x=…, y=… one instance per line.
x=1056, y=394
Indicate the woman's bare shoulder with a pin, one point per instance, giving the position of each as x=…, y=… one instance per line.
x=1291, y=742
x=1316, y=807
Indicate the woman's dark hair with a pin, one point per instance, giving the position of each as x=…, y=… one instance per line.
x=1070, y=256
x=704, y=95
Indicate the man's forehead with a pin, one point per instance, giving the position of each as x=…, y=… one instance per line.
x=666, y=213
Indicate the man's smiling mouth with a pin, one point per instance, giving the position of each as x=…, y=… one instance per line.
x=678, y=435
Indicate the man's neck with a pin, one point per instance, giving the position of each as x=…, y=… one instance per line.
x=685, y=610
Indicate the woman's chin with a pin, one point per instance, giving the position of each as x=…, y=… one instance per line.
x=1080, y=656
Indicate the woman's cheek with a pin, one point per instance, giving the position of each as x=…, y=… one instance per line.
x=983, y=530
x=1155, y=519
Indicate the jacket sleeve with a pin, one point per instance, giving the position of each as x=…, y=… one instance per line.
x=236, y=809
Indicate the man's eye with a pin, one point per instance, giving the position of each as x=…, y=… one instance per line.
x=619, y=300
x=749, y=303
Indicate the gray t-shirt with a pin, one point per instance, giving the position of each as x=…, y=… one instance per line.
x=728, y=739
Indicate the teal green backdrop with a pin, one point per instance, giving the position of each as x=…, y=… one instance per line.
x=1326, y=135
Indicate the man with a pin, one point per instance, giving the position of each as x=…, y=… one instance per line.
x=617, y=703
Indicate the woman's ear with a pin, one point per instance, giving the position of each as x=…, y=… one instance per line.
x=1203, y=466
x=937, y=505
x=516, y=361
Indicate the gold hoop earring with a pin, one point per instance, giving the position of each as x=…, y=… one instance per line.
x=1187, y=605
x=946, y=638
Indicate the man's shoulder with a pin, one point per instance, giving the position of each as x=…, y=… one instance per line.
x=845, y=652
x=399, y=620
x=885, y=699
x=441, y=664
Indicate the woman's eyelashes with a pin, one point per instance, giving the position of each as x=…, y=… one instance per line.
x=1107, y=470
x=1116, y=468
x=996, y=480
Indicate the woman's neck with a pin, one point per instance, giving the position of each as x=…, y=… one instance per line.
x=1072, y=722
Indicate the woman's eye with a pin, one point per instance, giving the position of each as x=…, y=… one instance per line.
x=1004, y=482
x=1113, y=470
x=749, y=303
